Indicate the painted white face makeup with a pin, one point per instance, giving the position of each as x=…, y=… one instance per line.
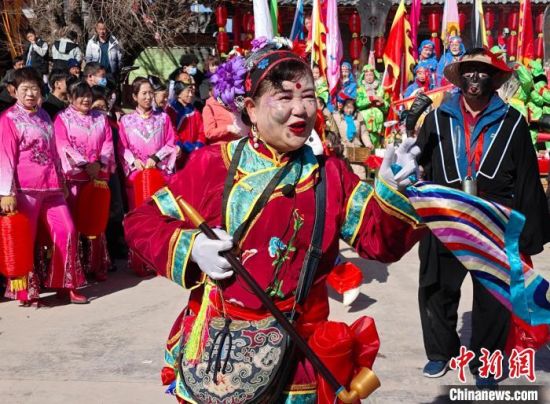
x=285, y=117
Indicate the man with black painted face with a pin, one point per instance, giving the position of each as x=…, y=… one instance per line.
x=477, y=143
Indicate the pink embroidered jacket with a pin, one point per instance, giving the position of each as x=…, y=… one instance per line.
x=28, y=156
x=142, y=136
x=82, y=139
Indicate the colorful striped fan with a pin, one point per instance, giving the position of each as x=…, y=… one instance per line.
x=484, y=237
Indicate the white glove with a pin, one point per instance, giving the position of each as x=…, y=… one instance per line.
x=205, y=253
x=314, y=141
x=405, y=157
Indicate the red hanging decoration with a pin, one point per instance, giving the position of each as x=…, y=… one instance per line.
x=539, y=40
x=221, y=16
x=513, y=23
x=16, y=249
x=379, y=44
x=462, y=18
x=248, y=28
x=489, y=25
x=146, y=183
x=355, y=47
x=354, y=23
x=237, y=26
x=222, y=42
x=434, y=24
x=92, y=208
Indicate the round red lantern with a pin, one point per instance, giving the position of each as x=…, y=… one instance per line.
x=355, y=47
x=379, y=44
x=489, y=25
x=354, y=24
x=146, y=183
x=16, y=249
x=221, y=16
x=513, y=23
x=92, y=208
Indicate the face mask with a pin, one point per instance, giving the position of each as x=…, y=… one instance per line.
x=102, y=82
x=192, y=70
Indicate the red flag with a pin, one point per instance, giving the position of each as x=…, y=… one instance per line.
x=526, y=40
x=397, y=55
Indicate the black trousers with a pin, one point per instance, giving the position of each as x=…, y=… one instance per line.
x=441, y=277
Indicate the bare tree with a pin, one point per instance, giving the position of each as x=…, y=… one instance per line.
x=136, y=23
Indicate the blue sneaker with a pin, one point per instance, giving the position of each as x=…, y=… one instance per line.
x=435, y=368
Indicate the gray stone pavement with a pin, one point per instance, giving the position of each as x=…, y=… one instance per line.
x=111, y=350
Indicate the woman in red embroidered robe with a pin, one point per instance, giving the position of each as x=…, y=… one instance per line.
x=377, y=221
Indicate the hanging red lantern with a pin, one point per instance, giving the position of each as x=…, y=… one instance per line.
x=379, y=44
x=434, y=24
x=237, y=26
x=539, y=41
x=16, y=249
x=354, y=24
x=513, y=23
x=146, y=183
x=221, y=16
x=222, y=42
x=355, y=47
x=462, y=18
x=489, y=25
x=92, y=208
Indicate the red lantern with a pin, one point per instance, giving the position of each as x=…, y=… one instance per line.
x=92, y=208
x=221, y=16
x=513, y=22
x=222, y=42
x=489, y=25
x=462, y=18
x=355, y=24
x=379, y=44
x=355, y=47
x=16, y=249
x=237, y=27
x=146, y=183
x=539, y=22
x=434, y=21
x=539, y=41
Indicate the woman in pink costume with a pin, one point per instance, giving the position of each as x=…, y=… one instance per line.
x=147, y=140
x=85, y=147
x=31, y=183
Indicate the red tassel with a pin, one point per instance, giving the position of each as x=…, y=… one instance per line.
x=345, y=277
x=16, y=246
x=92, y=208
x=146, y=183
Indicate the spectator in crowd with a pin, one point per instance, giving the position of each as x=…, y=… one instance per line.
x=372, y=103
x=99, y=99
x=85, y=147
x=321, y=85
x=421, y=82
x=178, y=74
x=103, y=48
x=147, y=140
x=95, y=74
x=160, y=99
x=212, y=64
x=348, y=85
x=426, y=56
x=453, y=54
x=56, y=100
x=190, y=62
x=74, y=68
x=18, y=63
x=330, y=124
x=36, y=54
x=65, y=49
x=7, y=94
x=30, y=184
x=353, y=132
x=220, y=124
x=186, y=119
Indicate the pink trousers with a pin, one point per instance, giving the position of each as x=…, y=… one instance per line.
x=92, y=252
x=49, y=211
